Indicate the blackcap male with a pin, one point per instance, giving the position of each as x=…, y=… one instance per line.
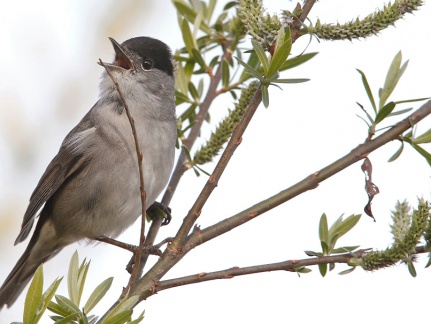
x=91, y=187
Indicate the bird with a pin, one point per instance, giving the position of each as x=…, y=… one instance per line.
x=91, y=188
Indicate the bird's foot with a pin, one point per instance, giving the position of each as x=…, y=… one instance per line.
x=160, y=210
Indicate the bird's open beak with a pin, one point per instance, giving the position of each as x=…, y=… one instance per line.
x=121, y=62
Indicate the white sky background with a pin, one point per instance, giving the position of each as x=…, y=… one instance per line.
x=49, y=80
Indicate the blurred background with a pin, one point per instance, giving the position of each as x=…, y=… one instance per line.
x=49, y=80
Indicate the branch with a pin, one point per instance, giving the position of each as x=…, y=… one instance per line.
x=138, y=254
x=311, y=182
x=289, y=265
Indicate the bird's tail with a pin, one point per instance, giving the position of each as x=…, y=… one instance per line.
x=42, y=247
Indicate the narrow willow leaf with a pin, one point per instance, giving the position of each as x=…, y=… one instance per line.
x=68, y=319
x=125, y=305
x=181, y=98
x=57, y=309
x=368, y=90
x=119, y=318
x=185, y=10
x=82, y=275
x=253, y=61
x=344, y=249
x=331, y=266
x=261, y=55
x=295, y=61
x=394, y=74
x=347, y=271
x=412, y=269
x=325, y=247
x=384, y=112
x=290, y=80
x=265, y=95
x=139, y=319
x=313, y=254
x=348, y=224
x=334, y=227
x=279, y=57
x=225, y=72
x=34, y=297
x=323, y=268
x=411, y=100
x=332, y=241
x=194, y=92
x=399, y=112
x=422, y=152
x=250, y=69
x=180, y=79
x=198, y=57
x=189, y=41
x=72, y=278
x=46, y=298
x=397, y=153
x=424, y=138
x=97, y=295
x=66, y=304
x=323, y=228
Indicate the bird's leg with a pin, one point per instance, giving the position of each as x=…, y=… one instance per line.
x=160, y=210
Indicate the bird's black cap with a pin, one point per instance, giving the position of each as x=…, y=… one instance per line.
x=152, y=49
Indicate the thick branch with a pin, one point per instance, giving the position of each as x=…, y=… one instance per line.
x=310, y=182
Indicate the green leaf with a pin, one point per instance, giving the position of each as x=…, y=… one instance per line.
x=323, y=228
x=384, y=112
x=422, y=152
x=68, y=319
x=344, y=272
x=194, y=92
x=325, y=247
x=394, y=74
x=313, y=254
x=333, y=240
x=295, y=61
x=97, y=294
x=67, y=305
x=399, y=112
x=265, y=95
x=55, y=308
x=199, y=59
x=46, y=298
x=82, y=275
x=424, y=138
x=397, y=153
x=331, y=266
x=253, y=61
x=125, y=305
x=368, y=90
x=185, y=10
x=411, y=100
x=347, y=224
x=225, y=73
x=344, y=249
x=120, y=318
x=290, y=80
x=334, y=227
x=181, y=98
x=34, y=297
x=323, y=268
x=250, y=69
x=411, y=268
x=72, y=278
x=189, y=41
x=139, y=319
x=280, y=56
x=258, y=49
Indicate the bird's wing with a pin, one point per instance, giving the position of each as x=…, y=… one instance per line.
x=65, y=163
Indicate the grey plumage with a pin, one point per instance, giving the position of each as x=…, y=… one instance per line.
x=91, y=187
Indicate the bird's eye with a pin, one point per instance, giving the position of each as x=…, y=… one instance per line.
x=147, y=65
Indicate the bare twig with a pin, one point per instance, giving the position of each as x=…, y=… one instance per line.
x=138, y=255
x=310, y=182
x=289, y=265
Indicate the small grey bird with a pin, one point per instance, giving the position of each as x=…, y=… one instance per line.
x=91, y=187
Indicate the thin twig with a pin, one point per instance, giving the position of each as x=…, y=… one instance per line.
x=138, y=255
x=289, y=265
